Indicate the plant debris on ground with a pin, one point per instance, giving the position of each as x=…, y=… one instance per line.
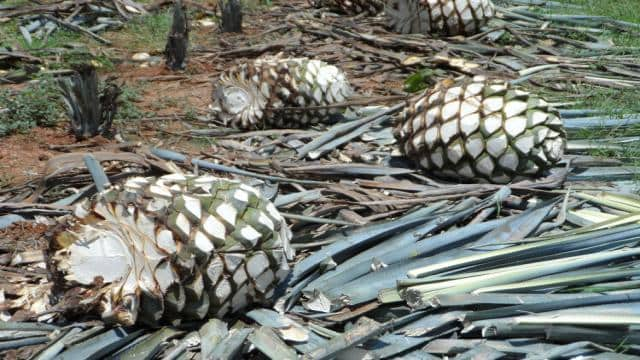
x=390, y=262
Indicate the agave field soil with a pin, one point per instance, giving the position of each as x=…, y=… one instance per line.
x=190, y=233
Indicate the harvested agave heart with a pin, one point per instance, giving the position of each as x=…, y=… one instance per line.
x=479, y=130
x=175, y=248
x=352, y=7
x=249, y=96
x=445, y=17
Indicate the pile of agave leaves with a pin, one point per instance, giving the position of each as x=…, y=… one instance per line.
x=390, y=263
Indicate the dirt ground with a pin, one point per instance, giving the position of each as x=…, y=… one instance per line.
x=22, y=156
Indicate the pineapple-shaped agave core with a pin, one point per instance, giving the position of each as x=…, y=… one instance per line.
x=479, y=130
x=253, y=95
x=352, y=7
x=444, y=17
x=178, y=247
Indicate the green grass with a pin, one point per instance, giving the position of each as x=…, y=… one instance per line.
x=37, y=105
x=15, y=2
x=10, y=36
x=127, y=108
x=255, y=5
x=40, y=104
x=144, y=33
x=625, y=10
x=615, y=102
x=141, y=33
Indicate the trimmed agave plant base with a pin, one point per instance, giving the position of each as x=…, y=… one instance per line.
x=480, y=130
x=171, y=249
x=351, y=7
x=445, y=17
x=251, y=96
